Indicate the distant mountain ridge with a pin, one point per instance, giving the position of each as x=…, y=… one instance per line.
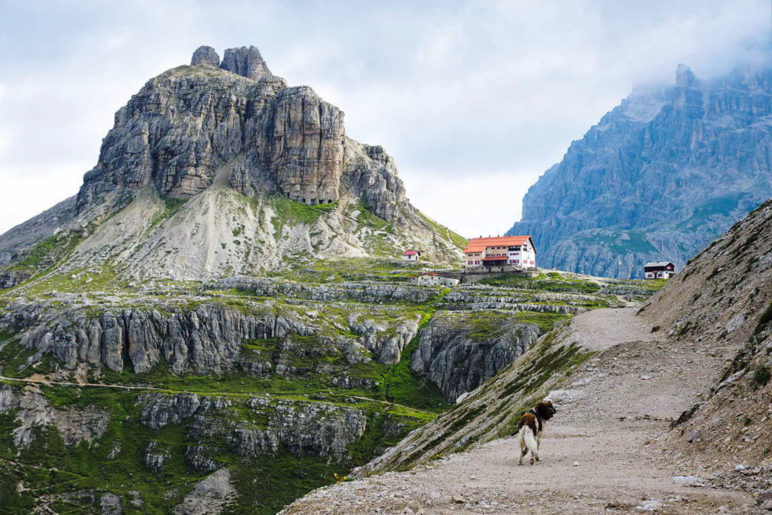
x=659, y=177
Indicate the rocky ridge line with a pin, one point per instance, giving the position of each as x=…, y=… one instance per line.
x=658, y=178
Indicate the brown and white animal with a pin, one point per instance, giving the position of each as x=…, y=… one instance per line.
x=530, y=429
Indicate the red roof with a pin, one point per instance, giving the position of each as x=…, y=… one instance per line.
x=411, y=253
x=495, y=258
x=480, y=244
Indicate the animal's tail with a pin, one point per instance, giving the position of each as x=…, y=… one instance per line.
x=527, y=441
x=530, y=442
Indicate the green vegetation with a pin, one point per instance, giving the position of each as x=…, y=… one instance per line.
x=15, y=360
x=761, y=376
x=553, y=282
x=545, y=321
x=366, y=218
x=171, y=206
x=458, y=240
x=87, y=467
x=290, y=212
x=352, y=270
x=81, y=280
x=716, y=206
x=116, y=461
x=764, y=319
x=48, y=252
x=624, y=242
x=402, y=387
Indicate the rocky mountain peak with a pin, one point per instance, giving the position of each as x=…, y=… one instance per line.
x=205, y=55
x=685, y=77
x=246, y=62
x=213, y=138
x=194, y=123
x=658, y=178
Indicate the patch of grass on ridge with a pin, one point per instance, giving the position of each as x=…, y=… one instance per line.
x=48, y=252
x=458, y=240
x=553, y=282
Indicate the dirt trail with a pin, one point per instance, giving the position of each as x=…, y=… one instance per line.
x=599, y=453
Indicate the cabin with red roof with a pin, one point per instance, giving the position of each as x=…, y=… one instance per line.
x=411, y=255
x=502, y=253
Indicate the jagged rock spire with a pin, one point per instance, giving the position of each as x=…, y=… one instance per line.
x=205, y=55
x=246, y=62
x=684, y=77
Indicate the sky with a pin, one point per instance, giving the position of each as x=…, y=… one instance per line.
x=474, y=99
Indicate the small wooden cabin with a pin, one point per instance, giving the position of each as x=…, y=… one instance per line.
x=658, y=270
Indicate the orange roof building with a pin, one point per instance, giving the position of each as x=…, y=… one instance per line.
x=516, y=252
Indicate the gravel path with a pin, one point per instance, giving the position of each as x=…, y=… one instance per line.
x=599, y=453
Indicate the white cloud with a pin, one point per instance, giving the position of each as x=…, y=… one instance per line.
x=473, y=205
x=28, y=191
x=473, y=99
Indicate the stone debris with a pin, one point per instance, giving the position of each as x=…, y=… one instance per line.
x=688, y=481
x=209, y=496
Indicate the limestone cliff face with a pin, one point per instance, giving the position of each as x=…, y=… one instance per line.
x=302, y=428
x=205, y=55
x=246, y=62
x=206, y=340
x=300, y=141
x=658, y=177
x=460, y=351
x=193, y=122
x=372, y=175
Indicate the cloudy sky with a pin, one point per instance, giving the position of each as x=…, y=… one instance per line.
x=474, y=99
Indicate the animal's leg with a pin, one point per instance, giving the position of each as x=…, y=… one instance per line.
x=523, y=448
x=538, y=442
x=530, y=442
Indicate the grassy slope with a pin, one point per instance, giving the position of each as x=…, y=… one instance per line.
x=264, y=485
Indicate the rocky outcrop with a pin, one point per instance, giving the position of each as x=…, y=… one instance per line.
x=33, y=411
x=303, y=429
x=13, y=278
x=387, y=345
x=246, y=62
x=722, y=300
x=205, y=340
x=191, y=123
x=658, y=177
x=110, y=504
x=154, y=458
x=369, y=292
x=205, y=56
x=177, y=132
x=186, y=124
x=210, y=495
x=299, y=140
x=372, y=175
x=460, y=351
x=211, y=338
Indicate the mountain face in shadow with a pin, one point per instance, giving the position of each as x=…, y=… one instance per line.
x=658, y=178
